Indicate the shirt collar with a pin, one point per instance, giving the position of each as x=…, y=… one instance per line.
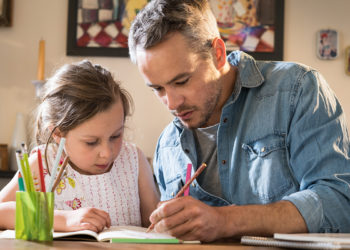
x=248, y=72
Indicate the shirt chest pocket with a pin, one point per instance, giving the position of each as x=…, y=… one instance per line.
x=267, y=168
x=173, y=185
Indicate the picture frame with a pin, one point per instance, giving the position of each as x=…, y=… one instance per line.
x=270, y=31
x=255, y=27
x=5, y=13
x=347, y=60
x=327, y=44
x=93, y=31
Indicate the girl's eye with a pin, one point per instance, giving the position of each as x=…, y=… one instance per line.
x=91, y=143
x=114, y=137
x=157, y=89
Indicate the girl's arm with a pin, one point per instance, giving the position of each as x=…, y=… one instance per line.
x=8, y=204
x=149, y=196
x=85, y=218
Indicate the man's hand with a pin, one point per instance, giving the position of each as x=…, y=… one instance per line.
x=188, y=219
x=82, y=219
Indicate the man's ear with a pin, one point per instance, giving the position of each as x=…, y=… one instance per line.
x=219, y=52
x=56, y=135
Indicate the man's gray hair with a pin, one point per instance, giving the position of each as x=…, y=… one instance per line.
x=192, y=18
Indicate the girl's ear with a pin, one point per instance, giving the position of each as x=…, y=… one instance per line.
x=56, y=135
x=220, y=52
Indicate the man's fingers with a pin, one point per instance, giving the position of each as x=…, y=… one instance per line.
x=167, y=209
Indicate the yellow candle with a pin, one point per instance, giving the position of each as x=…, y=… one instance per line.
x=41, y=62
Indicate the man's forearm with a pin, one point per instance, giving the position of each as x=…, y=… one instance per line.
x=279, y=217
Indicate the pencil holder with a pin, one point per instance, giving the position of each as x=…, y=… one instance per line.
x=34, y=216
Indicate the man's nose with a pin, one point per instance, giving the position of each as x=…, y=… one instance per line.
x=173, y=100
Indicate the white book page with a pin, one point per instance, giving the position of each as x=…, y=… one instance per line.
x=81, y=232
x=130, y=232
x=7, y=234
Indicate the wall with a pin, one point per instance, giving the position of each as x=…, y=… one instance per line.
x=37, y=19
x=303, y=18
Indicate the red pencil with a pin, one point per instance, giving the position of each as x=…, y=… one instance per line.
x=41, y=172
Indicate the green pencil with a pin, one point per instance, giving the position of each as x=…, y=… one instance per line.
x=20, y=182
x=145, y=241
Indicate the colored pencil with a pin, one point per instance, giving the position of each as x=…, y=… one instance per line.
x=18, y=159
x=56, y=162
x=188, y=177
x=182, y=190
x=26, y=168
x=199, y=170
x=58, y=179
x=20, y=182
x=41, y=172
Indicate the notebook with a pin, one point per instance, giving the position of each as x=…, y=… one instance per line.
x=315, y=237
x=302, y=241
x=124, y=234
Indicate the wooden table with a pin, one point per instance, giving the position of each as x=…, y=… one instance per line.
x=10, y=244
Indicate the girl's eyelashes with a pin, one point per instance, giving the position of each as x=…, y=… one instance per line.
x=114, y=137
x=92, y=143
x=157, y=89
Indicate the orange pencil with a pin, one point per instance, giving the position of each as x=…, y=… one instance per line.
x=58, y=179
x=182, y=190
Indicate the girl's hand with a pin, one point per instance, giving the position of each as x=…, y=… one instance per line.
x=87, y=218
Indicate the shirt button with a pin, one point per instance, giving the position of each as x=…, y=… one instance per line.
x=223, y=162
x=225, y=120
x=263, y=149
x=172, y=194
x=193, y=184
x=186, y=151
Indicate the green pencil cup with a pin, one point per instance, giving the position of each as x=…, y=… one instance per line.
x=34, y=216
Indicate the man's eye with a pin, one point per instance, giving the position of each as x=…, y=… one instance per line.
x=182, y=82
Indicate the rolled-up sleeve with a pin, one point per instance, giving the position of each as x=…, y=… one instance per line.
x=319, y=156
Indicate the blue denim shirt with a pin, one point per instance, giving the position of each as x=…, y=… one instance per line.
x=282, y=136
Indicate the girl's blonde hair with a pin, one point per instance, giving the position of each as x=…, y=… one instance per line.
x=74, y=94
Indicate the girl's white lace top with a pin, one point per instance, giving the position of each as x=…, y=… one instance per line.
x=115, y=192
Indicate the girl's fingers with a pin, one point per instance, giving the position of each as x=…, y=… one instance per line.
x=104, y=215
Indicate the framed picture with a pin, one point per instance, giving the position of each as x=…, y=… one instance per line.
x=327, y=44
x=100, y=27
x=347, y=60
x=253, y=26
x=5, y=12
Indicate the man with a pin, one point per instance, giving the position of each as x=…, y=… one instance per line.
x=273, y=134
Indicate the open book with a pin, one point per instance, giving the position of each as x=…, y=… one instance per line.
x=125, y=234
x=302, y=240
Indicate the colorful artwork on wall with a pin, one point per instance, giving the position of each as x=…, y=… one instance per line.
x=327, y=44
x=101, y=27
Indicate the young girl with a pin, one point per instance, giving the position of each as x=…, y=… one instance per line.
x=107, y=181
